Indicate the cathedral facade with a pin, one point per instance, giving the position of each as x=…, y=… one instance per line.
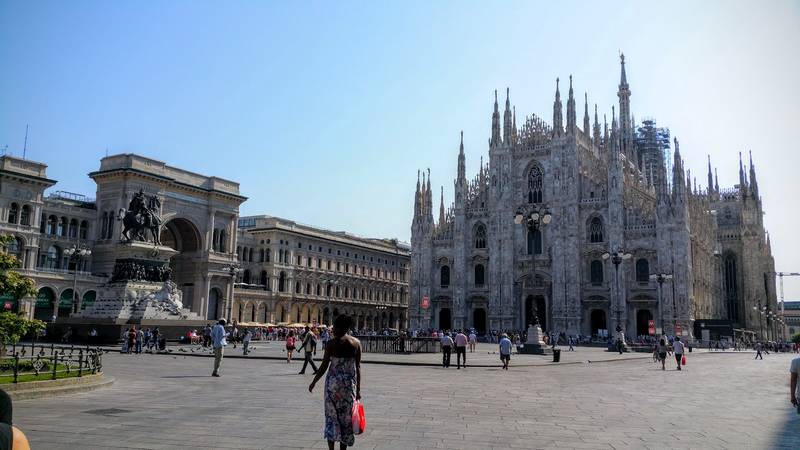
x=589, y=229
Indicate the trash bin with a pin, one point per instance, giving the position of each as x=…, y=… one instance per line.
x=556, y=354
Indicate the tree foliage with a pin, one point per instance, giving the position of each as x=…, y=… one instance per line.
x=796, y=338
x=12, y=283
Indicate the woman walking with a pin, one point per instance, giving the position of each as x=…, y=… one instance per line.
x=343, y=383
x=289, y=346
x=662, y=348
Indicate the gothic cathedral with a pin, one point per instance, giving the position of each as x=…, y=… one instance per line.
x=587, y=230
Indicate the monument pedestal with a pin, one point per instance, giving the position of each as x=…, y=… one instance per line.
x=141, y=288
x=535, y=345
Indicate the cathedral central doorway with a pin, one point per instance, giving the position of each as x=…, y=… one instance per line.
x=597, y=321
x=445, y=319
x=643, y=318
x=535, y=304
x=479, y=320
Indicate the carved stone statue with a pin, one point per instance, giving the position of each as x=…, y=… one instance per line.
x=143, y=215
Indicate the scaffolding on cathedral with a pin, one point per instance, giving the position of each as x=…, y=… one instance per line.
x=653, y=144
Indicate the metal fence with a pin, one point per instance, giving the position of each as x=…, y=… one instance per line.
x=396, y=344
x=51, y=361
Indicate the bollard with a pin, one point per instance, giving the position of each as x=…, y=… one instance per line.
x=556, y=355
x=16, y=367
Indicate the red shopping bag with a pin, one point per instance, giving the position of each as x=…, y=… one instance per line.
x=359, y=420
x=683, y=360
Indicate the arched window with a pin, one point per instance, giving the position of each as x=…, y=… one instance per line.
x=596, y=272
x=297, y=287
x=53, y=257
x=479, y=275
x=264, y=281
x=319, y=290
x=52, y=225
x=269, y=255
x=280, y=255
x=61, y=227
x=15, y=248
x=25, y=217
x=262, y=256
x=596, y=230
x=246, y=277
x=250, y=254
x=84, y=230
x=444, y=276
x=282, y=282
x=731, y=274
x=535, y=185
x=534, y=242
x=642, y=270
x=328, y=290
x=13, y=212
x=480, y=236
x=223, y=244
x=43, y=224
x=308, y=288
x=73, y=228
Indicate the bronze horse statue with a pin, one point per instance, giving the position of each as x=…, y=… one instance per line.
x=139, y=218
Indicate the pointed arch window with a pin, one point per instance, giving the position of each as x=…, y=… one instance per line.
x=84, y=229
x=731, y=285
x=596, y=230
x=535, y=183
x=480, y=236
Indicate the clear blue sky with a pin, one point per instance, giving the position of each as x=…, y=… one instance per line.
x=325, y=111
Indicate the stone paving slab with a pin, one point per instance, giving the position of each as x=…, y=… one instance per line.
x=719, y=401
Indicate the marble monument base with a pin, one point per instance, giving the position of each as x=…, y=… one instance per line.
x=534, y=345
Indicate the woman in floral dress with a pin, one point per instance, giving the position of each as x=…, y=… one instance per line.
x=343, y=383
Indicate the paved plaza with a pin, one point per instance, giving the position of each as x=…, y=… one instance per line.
x=723, y=400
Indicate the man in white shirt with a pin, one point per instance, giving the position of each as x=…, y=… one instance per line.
x=794, y=369
x=677, y=348
x=461, y=349
x=473, y=339
x=447, y=349
x=218, y=342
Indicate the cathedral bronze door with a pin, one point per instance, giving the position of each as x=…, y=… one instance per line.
x=536, y=307
x=597, y=321
x=479, y=320
x=643, y=318
x=445, y=320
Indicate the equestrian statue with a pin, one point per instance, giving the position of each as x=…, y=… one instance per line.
x=142, y=216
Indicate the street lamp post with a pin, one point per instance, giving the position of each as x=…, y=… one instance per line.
x=76, y=254
x=533, y=220
x=616, y=258
x=660, y=278
x=761, y=311
x=233, y=271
